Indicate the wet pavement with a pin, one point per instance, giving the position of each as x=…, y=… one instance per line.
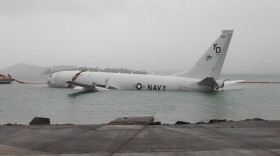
x=221, y=138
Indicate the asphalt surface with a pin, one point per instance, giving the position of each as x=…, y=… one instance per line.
x=221, y=138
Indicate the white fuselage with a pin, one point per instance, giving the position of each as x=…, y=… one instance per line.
x=127, y=81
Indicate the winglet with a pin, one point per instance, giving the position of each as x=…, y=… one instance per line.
x=227, y=31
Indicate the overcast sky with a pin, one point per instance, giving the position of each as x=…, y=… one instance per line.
x=139, y=34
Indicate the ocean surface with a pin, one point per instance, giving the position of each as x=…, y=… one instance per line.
x=19, y=103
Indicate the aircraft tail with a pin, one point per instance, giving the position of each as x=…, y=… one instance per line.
x=211, y=63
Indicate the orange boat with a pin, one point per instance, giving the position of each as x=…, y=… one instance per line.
x=6, y=79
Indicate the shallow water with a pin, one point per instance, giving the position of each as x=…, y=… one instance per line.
x=19, y=103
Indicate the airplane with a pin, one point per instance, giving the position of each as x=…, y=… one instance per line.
x=203, y=76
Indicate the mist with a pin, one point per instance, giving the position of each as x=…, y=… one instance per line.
x=152, y=35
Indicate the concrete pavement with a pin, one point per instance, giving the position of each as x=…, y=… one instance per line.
x=221, y=138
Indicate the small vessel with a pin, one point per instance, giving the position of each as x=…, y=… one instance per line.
x=6, y=79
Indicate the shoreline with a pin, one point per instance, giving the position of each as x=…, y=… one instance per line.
x=179, y=122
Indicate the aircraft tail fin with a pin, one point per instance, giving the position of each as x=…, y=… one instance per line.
x=211, y=63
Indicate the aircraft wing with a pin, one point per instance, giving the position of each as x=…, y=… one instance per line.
x=85, y=86
x=101, y=88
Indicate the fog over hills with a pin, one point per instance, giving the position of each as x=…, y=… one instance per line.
x=26, y=69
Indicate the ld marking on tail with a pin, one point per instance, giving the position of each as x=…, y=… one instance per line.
x=218, y=49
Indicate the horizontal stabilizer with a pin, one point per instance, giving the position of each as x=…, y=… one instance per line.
x=86, y=86
x=209, y=81
x=233, y=82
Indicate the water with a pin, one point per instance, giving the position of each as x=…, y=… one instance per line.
x=20, y=103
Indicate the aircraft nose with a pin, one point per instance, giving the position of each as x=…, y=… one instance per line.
x=51, y=80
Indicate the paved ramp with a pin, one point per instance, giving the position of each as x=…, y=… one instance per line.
x=225, y=138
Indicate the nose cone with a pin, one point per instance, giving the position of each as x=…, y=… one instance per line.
x=51, y=80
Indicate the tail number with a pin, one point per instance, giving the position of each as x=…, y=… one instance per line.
x=216, y=48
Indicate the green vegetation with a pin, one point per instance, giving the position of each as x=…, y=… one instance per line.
x=96, y=69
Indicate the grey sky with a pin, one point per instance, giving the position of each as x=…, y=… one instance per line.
x=139, y=34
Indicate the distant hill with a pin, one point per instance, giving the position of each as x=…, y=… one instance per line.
x=23, y=69
x=115, y=70
x=50, y=70
x=110, y=70
x=26, y=69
